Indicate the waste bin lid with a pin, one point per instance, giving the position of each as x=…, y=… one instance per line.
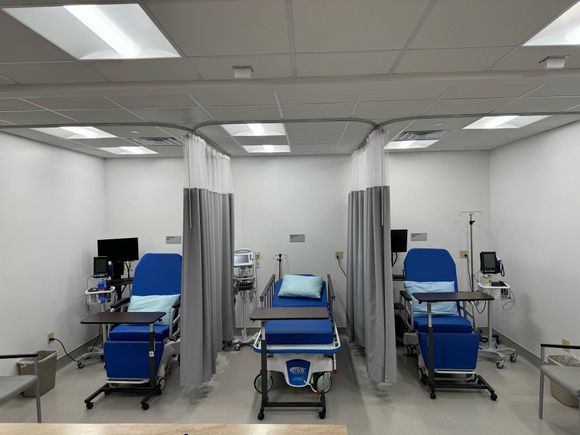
x=565, y=360
x=43, y=355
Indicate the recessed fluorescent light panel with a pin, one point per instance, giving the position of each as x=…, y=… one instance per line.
x=409, y=144
x=75, y=132
x=504, y=121
x=128, y=151
x=564, y=30
x=255, y=129
x=92, y=32
x=267, y=148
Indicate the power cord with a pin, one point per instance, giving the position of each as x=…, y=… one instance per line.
x=340, y=266
x=63, y=348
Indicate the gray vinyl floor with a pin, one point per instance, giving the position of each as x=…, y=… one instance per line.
x=404, y=408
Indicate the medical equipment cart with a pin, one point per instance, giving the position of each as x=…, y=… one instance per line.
x=491, y=347
x=245, y=281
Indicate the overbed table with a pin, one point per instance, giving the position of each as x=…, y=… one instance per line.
x=129, y=318
x=430, y=298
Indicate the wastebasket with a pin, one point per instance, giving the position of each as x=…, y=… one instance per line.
x=46, y=371
x=556, y=389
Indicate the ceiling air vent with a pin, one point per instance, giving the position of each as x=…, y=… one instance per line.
x=153, y=141
x=421, y=135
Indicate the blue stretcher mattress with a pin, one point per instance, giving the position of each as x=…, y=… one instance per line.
x=299, y=331
x=138, y=332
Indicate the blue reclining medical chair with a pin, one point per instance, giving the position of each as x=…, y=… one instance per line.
x=126, y=350
x=455, y=342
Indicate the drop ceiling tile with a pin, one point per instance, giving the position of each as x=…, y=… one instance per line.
x=466, y=106
x=20, y=44
x=449, y=60
x=142, y=131
x=306, y=111
x=336, y=64
x=225, y=27
x=354, y=25
x=387, y=110
x=104, y=142
x=101, y=115
x=314, y=148
x=490, y=23
x=440, y=124
x=50, y=72
x=405, y=90
x=358, y=128
x=313, y=140
x=227, y=144
x=559, y=86
x=311, y=94
x=39, y=117
x=186, y=117
x=528, y=58
x=243, y=113
x=214, y=131
x=67, y=103
x=167, y=151
x=143, y=101
x=331, y=130
x=16, y=104
x=6, y=81
x=234, y=95
x=262, y=140
x=492, y=89
x=541, y=104
x=352, y=140
x=263, y=66
x=143, y=70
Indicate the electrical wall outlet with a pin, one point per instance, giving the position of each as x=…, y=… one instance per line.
x=463, y=254
x=566, y=342
x=51, y=335
x=339, y=255
x=257, y=255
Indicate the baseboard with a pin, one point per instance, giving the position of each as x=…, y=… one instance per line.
x=535, y=360
x=75, y=353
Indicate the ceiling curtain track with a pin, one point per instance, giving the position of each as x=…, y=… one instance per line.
x=369, y=291
x=207, y=300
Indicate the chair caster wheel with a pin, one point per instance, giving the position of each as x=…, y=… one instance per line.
x=499, y=364
x=144, y=406
x=513, y=357
x=80, y=364
x=322, y=415
x=493, y=397
x=237, y=347
x=433, y=396
x=260, y=416
x=89, y=405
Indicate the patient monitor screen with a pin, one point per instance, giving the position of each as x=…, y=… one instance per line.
x=488, y=262
x=241, y=259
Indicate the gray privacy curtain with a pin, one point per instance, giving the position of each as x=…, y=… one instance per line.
x=207, y=305
x=369, y=307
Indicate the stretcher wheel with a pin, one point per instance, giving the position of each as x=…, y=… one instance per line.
x=433, y=395
x=514, y=357
x=144, y=406
x=322, y=415
x=162, y=384
x=422, y=377
x=80, y=364
x=493, y=397
x=258, y=383
x=237, y=347
x=261, y=415
x=89, y=405
x=323, y=382
x=499, y=364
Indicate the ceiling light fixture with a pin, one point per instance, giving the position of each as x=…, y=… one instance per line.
x=74, y=132
x=267, y=148
x=255, y=129
x=409, y=144
x=104, y=31
x=128, y=150
x=564, y=30
x=243, y=72
x=554, y=62
x=503, y=121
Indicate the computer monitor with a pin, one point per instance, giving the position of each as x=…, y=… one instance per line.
x=119, y=249
x=399, y=240
x=489, y=263
x=100, y=269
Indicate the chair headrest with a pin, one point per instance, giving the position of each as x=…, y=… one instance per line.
x=158, y=274
x=430, y=264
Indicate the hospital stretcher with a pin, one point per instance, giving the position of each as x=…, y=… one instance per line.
x=298, y=338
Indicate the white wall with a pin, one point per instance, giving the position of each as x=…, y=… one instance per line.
x=52, y=212
x=536, y=219
x=145, y=200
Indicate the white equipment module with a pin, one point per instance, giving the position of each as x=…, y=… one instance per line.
x=245, y=282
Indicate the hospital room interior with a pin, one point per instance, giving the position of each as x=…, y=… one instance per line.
x=289, y=216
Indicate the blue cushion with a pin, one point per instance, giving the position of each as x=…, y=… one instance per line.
x=130, y=359
x=428, y=264
x=278, y=301
x=151, y=303
x=137, y=333
x=299, y=331
x=157, y=274
x=442, y=308
x=301, y=286
x=452, y=351
x=458, y=324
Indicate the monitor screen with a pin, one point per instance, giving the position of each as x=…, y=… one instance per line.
x=399, y=240
x=119, y=249
x=488, y=262
x=100, y=267
x=241, y=259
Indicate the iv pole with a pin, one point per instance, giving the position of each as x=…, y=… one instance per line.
x=471, y=222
